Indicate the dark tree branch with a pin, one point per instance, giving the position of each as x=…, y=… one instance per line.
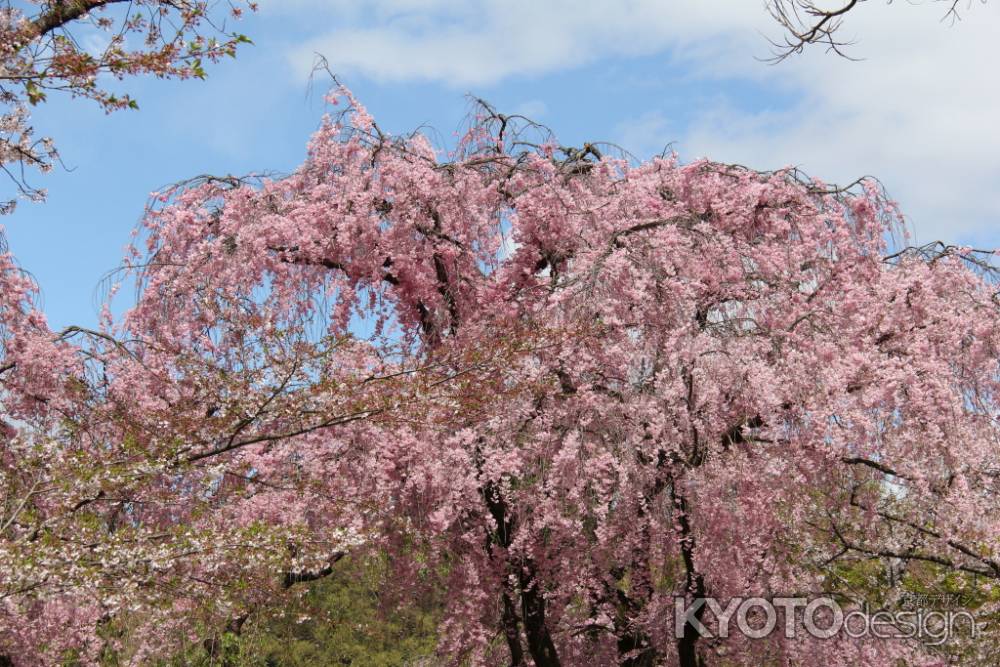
x=805, y=22
x=289, y=579
x=61, y=12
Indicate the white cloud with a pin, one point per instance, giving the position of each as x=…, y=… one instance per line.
x=919, y=112
x=476, y=42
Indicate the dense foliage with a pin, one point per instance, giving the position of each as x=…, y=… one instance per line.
x=341, y=619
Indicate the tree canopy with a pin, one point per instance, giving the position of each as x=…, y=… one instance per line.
x=555, y=389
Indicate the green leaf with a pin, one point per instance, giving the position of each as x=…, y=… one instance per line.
x=35, y=94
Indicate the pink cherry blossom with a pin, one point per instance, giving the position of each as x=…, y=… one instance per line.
x=575, y=386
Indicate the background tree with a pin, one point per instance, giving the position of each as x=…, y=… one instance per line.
x=46, y=45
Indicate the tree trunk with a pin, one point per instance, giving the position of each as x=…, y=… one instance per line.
x=540, y=645
x=695, y=583
x=512, y=632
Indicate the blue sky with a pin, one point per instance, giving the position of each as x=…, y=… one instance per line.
x=920, y=111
